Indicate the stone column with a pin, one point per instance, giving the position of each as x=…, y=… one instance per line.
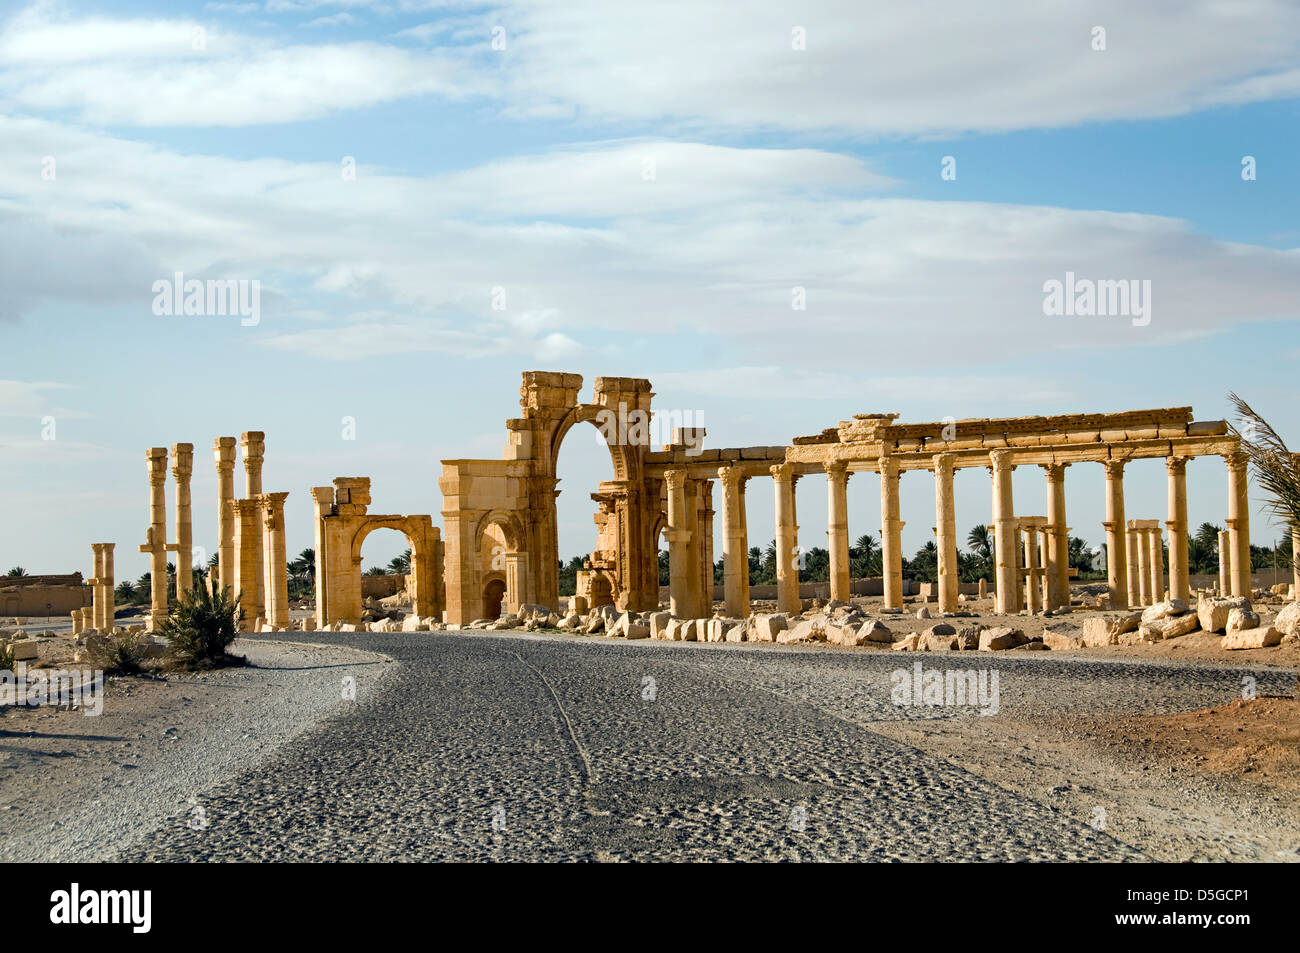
x=1138, y=542
x=1179, y=580
x=1239, y=523
x=735, y=544
x=837, y=529
x=223, y=451
x=277, y=569
x=891, y=531
x=323, y=505
x=744, y=522
x=1004, y=534
x=678, y=535
x=110, y=606
x=1135, y=575
x=691, y=519
x=182, y=470
x=1156, y=563
x=1058, y=538
x=1116, y=554
x=156, y=537
x=705, y=522
x=253, y=443
x=96, y=587
x=945, y=519
x=1225, y=563
x=787, y=539
x=1033, y=590
x=248, y=562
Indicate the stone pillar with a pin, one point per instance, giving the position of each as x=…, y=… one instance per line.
x=110, y=607
x=837, y=529
x=1116, y=549
x=945, y=528
x=182, y=470
x=1004, y=534
x=96, y=588
x=323, y=506
x=102, y=597
x=735, y=543
x=1033, y=590
x=1239, y=523
x=1058, y=538
x=678, y=535
x=787, y=540
x=705, y=536
x=1225, y=562
x=1179, y=580
x=253, y=443
x=1139, y=547
x=223, y=450
x=691, y=519
x=891, y=532
x=277, y=569
x=1156, y=564
x=248, y=562
x=156, y=537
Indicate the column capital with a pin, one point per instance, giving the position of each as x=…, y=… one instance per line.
x=837, y=470
x=676, y=479
x=1177, y=466
x=1114, y=469
x=223, y=451
x=782, y=472
x=942, y=462
x=156, y=458
x=1001, y=460
x=1054, y=472
x=1236, y=461
x=182, y=461
x=888, y=467
x=730, y=477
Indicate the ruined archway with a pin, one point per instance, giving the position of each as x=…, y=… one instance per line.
x=342, y=525
x=523, y=485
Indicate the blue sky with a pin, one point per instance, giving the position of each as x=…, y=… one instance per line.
x=525, y=169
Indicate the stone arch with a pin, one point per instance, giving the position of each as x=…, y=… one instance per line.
x=342, y=525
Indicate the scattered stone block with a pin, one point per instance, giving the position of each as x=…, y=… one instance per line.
x=1259, y=637
x=1000, y=638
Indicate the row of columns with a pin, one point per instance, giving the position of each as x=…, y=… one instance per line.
x=102, y=605
x=1048, y=577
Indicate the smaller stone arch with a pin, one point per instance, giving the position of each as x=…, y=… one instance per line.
x=342, y=525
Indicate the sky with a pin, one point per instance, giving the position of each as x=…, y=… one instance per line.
x=436, y=196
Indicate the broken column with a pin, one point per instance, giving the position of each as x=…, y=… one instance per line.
x=735, y=544
x=182, y=470
x=248, y=563
x=223, y=450
x=678, y=535
x=787, y=540
x=837, y=529
x=1239, y=523
x=156, y=537
x=1004, y=534
x=945, y=531
x=253, y=443
x=1179, y=579
x=277, y=570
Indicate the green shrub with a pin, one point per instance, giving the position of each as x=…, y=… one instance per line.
x=120, y=655
x=6, y=657
x=202, y=627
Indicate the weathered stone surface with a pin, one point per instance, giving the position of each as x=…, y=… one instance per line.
x=968, y=637
x=1213, y=612
x=812, y=629
x=659, y=624
x=673, y=630
x=765, y=627
x=637, y=630
x=1107, y=630
x=1240, y=620
x=939, y=638
x=873, y=630
x=690, y=630
x=1260, y=637
x=1063, y=638
x=1288, y=622
x=1169, y=627
x=1001, y=637
x=594, y=624
x=24, y=650
x=908, y=643
x=1162, y=610
x=736, y=632
x=923, y=613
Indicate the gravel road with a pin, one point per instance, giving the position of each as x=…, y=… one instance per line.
x=538, y=747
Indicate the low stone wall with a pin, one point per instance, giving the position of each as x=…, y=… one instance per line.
x=381, y=587
x=30, y=601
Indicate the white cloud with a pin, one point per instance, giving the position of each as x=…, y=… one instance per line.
x=905, y=69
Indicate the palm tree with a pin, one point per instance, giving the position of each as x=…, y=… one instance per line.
x=124, y=591
x=1080, y=554
x=1207, y=534
x=980, y=541
x=16, y=572
x=375, y=571
x=864, y=546
x=400, y=565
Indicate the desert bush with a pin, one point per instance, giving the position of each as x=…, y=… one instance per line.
x=118, y=655
x=202, y=628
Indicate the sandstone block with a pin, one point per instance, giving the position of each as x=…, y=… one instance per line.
x=1260, y=637
x=1001, y=637
x=1241, y=619
x=873, y=630
x=1213, y=612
